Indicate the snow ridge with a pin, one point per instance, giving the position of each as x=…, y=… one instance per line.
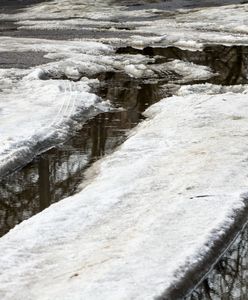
x=174, y=188
x=45, y=113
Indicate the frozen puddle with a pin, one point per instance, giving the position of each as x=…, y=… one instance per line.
x=184, y=167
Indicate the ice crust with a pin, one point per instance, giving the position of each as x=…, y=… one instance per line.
x=151, y=211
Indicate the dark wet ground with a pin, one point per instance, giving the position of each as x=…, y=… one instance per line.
x=22, y=60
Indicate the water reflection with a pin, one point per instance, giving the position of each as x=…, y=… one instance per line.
x=230, y=63
x=57, y=173
x=229, y=278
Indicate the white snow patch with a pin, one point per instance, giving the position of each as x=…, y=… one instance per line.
x=188, y=70
x=36, y=114
x=137, y=228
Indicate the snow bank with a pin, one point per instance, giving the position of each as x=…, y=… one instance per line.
x=36, y=114
x=155, y=209
x=44, y=110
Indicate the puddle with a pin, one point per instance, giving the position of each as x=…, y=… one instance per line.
x=229, y=277
x=230, y=63
x=57, y=173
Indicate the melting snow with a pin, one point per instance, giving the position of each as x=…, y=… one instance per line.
x=36, y=114
x=45, y=110
x=155, y=208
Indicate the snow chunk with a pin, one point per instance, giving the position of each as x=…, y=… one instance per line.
x=138, y=71
x=36, y=114
x=152, y=212
x=189, y=71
